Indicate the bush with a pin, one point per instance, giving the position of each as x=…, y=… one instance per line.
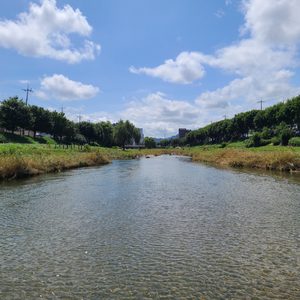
x=264, y=142
x=266, y=133
x=80, y=139
x=87, y=148
x=256, y=138
x=275, y=140
x=285, y=136
x=295, y=141
x=249, y=143
x=223, y=145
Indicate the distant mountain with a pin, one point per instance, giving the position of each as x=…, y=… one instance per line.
x=169, y=138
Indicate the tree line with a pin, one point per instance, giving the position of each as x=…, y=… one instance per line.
x=14, y=115
x=277, y=120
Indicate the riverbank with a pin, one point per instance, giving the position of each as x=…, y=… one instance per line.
x=25, y=160
x=268, y=157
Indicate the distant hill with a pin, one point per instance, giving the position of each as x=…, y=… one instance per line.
x=169, y=138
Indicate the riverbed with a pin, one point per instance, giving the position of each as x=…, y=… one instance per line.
x=156, y=228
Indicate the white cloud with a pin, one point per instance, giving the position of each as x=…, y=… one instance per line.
x=65, y=89
x=159, y=116
x=220, y=13
x=251, y=89
x=42, y=32
x=24, y=81
x=260, y=63
x=42, y=95
x=184, y=70
x=275, y=22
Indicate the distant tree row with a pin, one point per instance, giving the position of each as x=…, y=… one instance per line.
x=276, y=116
x=14, y=115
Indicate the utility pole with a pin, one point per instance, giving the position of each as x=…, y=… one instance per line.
x=261, y=102
x=62, y=108
x=27, y=90
x=79, y=118
x=225, y=117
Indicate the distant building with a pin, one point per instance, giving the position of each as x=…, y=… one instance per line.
x=142, y=136
x=183, y=132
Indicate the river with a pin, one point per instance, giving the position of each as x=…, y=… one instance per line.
x=158, y=228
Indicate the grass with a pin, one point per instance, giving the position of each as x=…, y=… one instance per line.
x=266, y=157
x=22, y=156
x=23, y=160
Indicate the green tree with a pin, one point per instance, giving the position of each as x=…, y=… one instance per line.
x=59, y=122
x=14, y=114
x=165, y=142
x=87, y=129
x=41, y=119
x=70, y=130
x=126, y=132
x=105, y=132
x=149, y=142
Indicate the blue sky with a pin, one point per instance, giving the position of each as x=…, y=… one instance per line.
x=163, y=65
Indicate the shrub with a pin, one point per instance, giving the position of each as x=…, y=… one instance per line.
x=80, y=139
x=275, y=140
x=249, y=143
x=87, y=148
x=285, y=136
x=256, y=138
x=266, y=133
x=264, y=142
x=295, y=141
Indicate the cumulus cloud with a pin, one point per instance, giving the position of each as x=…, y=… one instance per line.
x=42, y=32
x=65, y=89
x=185, y=69
x=275, y=22
x=260, y=63
x=159, y=116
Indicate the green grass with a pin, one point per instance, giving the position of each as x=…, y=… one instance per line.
x=6, y=137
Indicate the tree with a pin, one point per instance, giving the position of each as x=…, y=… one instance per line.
x=14, y=114
x=87, y=129
x=126, y=132
x=41, y=119
x=165, y=142
x=59, y=122
x=70, y=130
x=105, y=132
x=149, y=142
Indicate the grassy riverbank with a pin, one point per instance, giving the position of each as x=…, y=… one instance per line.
x=38, y=156
x=24, y=160
x=236, y=155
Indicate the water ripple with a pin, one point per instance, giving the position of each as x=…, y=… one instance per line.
x=159, y=228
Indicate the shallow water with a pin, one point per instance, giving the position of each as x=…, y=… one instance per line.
x=158, y=228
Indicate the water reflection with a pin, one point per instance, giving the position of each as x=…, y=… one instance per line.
x=151, y=228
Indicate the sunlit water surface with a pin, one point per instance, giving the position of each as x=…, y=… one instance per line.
x=158, y=228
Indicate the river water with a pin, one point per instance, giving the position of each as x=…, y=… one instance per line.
x=158, y=228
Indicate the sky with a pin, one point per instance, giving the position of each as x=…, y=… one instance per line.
x=163, y=65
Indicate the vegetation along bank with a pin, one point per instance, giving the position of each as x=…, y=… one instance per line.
x=268, y=139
